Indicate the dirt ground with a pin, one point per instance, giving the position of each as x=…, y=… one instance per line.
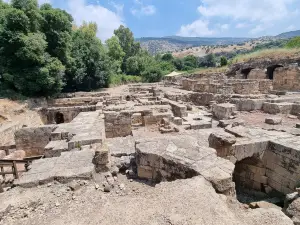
x=182, y=202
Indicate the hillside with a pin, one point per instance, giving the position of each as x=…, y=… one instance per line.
x=174, y=43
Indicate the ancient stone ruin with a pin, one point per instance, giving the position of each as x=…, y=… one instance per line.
x=238, y=136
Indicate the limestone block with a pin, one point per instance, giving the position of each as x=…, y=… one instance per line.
x=178, y=121
x=2, y=154
x=273, y=120
x=223, y=111
x=101, y=158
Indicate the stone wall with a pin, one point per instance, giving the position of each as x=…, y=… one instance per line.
x=117, y=124
x=287, y=78
x=188, y=84
x=49, y=115
x=257, y=74
x=223, y=111
x=179, y=110
x=33, y=140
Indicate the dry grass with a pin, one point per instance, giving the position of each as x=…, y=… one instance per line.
x=207, y=70
x=267, y=53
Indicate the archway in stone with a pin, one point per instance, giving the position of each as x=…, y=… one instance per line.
x=128, y=98
x=250, y=180
x=246, y=72
x=59, y=118
x=270, y=71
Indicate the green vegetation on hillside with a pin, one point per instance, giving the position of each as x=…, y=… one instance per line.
x=43, y=53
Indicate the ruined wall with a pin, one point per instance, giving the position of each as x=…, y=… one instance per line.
x=117, y=124
x=223, y=111
x=244, y=86
x=33, y=140
x=287, y=78
x=257, y=74
x=188, y=84
x=178, y=109
x=48, y=115
x=250, y=173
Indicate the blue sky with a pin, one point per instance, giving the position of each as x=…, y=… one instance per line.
x=202, y=18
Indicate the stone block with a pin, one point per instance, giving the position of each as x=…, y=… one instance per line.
x=273, y=120
x=223, y=111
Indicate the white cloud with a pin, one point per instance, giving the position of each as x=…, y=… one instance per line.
x=39, y=1
x=253, y=10
x=257, y=29
x=224, y=26
x=241, y=25
x=107, y=21
x=291, y=28
x=195, y=29
x=140, y=9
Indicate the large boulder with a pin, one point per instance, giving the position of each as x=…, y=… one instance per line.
x=273, y=120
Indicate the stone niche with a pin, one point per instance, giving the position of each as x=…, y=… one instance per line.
x=287, y=78
x=257, y=74
x=117, y=124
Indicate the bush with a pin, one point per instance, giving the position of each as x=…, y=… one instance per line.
x=119, y=79
x=152, y=74
x=224, y=61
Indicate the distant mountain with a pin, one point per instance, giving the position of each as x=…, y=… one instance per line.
x=289, y=34
x=173, y=43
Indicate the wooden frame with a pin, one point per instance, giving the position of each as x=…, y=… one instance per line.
x=13, y=164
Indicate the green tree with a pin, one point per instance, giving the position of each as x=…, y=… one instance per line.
x=116, y=53
x=57, y=26
x=294, y=43
x=25, y=64
x=31, y=10
x=224, y=61
x=90, y=67
x=152, y=74
x=190, y=62
x=167, y=57
x=178, y=63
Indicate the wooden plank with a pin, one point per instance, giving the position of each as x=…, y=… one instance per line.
x=15, y=170
x=1, y=188
x=2, y=170
x=8, y=172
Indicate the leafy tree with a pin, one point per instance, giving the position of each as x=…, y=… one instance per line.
x=152, y=74
x=208, y=61
x=90, y=67
x=178, y=63
x=166, y=66
x=116, y=53
x=57, y=26
x=167, y=57
x=190, y=62
x=31, y=10
x=25, y=64
x=224, y=61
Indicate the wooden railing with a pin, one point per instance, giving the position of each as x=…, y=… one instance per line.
x=12, y=163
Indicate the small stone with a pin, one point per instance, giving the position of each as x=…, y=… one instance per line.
x=110, y=181
x=115, y=171
x=115, y=178
x=121, y=186
x=131, y=180
x=273, y=120
x=49, y=185
x=74, y=186
x=97, y=186
x=57, y=204
x=107, y=188
x=73, y=197
x=292, y=117
x=298, y=190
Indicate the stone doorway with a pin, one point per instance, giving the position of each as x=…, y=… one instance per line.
x=59, y=118
x=270, y=71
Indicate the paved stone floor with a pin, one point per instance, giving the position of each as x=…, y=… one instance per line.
x=69, y=166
